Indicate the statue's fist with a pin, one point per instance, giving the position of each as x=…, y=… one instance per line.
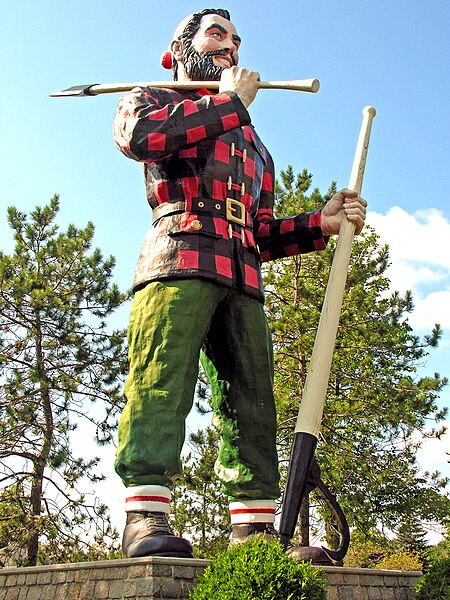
x=242, y=81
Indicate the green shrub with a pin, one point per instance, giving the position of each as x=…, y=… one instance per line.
x=435, y=585
x=401, y=561
x=258, y=570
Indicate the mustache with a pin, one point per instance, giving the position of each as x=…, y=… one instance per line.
x=200, y=66
x=211, y=53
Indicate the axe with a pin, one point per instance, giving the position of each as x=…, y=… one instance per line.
x=93, y=89
x=313, y=398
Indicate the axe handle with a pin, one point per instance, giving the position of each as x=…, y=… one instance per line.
x=313, y=399
x=299, y=85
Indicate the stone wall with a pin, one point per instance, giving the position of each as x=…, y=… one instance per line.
x=172, y=578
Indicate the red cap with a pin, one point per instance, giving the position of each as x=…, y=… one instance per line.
x=167, y=59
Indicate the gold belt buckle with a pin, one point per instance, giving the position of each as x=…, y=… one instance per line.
x=234, y=206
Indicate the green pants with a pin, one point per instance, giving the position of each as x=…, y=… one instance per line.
x=169, y=325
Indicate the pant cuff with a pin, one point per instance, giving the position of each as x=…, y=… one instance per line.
x=252, y=511
x=148, y=498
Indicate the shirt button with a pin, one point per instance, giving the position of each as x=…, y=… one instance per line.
x=218, y=206
x=196, y=224
x=201, y=204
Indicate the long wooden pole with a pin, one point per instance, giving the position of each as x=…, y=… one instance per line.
x=313, y=399
x=94, y=89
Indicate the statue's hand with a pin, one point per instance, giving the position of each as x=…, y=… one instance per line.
x=241, y=81
x=343, y=202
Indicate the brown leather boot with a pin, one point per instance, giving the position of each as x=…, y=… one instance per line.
x=150, y=534
x=243, y=532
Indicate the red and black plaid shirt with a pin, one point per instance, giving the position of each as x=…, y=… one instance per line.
x=209, y=181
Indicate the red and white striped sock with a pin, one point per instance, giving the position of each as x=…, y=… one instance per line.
x=252, y=511
x=148, y=498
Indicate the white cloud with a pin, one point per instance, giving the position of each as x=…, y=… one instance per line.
x=422, y=238
x=434, y=454
x=433, y=308
x=419, y=249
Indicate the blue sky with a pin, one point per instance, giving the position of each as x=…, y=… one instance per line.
x=392, y=54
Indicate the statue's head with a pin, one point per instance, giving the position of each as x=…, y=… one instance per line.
x=203, y=45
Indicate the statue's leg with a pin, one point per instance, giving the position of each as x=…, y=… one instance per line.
x=168, y=324
x=238, y=360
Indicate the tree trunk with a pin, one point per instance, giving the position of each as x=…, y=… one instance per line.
x=41, y=459
x=35, y=513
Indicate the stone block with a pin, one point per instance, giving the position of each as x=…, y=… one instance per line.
x=115, y=573
x=136, y=571
x=146, y=587
x=372, y=580
x=34, y=593
x=188, y=584
x=408, y=582
x=161, y=570
x=169, y=588
x=333, y=593
x=184, y=572
x=98, y=573
x=346, y=593
x=129, y=588
x=61, y=592
x=81, y=576
x=44, y=578
x=351, y=579
x=402, y=594
x=73, y=591
x=390, y=581
x=11, y=581
x=116, y=588
x=335, y=578
x=375, y=593
x=70, y=576
x=102, y=590
x=405, y=593
x=59, y=576
x=48, y=592
x=87, y=590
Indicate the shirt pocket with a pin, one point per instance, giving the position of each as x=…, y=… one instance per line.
x=188, y=224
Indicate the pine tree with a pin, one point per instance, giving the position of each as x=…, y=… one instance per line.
x=57, y=360
x=376, y=405
x=411, y=536
x=199, y=506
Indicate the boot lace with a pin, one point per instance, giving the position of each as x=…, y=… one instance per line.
x=158, y=524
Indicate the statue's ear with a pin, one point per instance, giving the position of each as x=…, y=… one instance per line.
x=177, y=49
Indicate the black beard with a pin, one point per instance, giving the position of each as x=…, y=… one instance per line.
x=200, y=66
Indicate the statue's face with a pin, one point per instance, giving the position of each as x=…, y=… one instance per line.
x=214, y=47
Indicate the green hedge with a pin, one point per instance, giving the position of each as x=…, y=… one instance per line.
x=258, y=570
x=435, y=584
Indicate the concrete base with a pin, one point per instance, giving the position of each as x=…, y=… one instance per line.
x=172, y=578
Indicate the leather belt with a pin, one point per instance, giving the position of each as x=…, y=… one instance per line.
x=233, y=211
x=168, y=208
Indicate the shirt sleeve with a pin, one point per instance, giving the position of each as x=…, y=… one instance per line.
x=278, y=238
x=151, y=124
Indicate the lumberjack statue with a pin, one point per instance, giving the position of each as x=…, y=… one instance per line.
x=198, y=290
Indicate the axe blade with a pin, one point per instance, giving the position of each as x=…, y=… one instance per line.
x=76, y=90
